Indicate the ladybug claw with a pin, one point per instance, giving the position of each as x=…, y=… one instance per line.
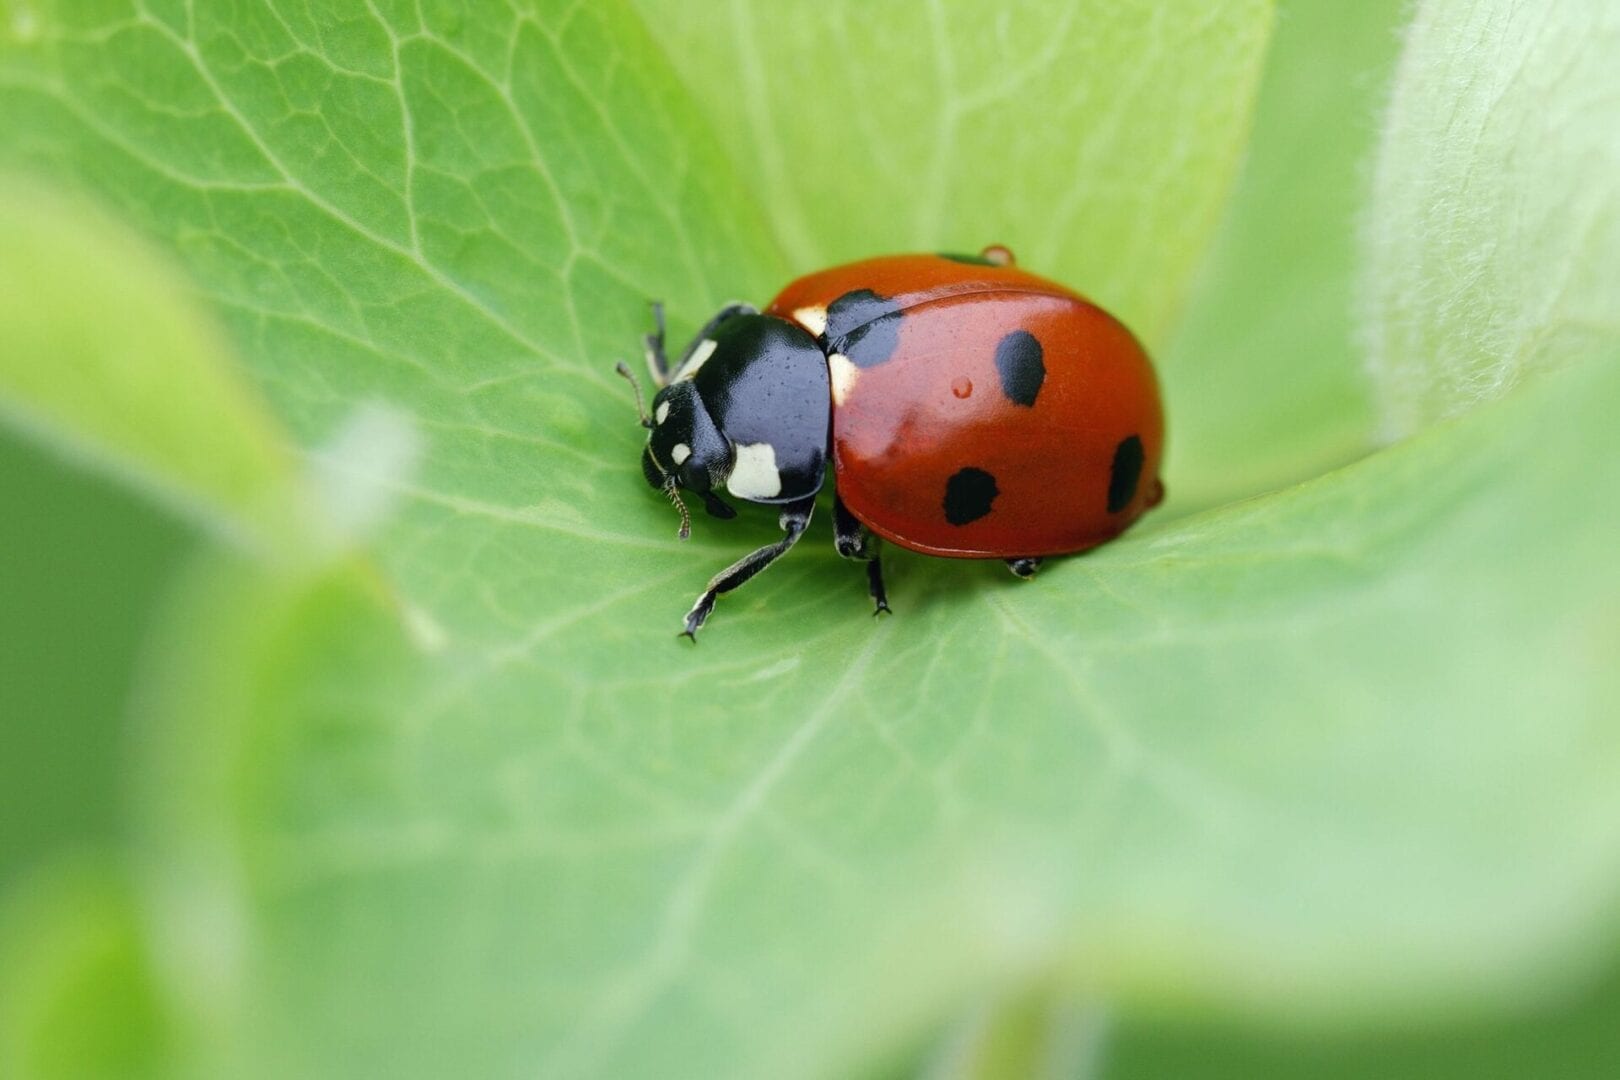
x=698, y=616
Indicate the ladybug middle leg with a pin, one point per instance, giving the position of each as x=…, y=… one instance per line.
x=855, y=541
x=795, y=518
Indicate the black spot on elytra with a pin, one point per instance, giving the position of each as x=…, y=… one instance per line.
x=971, y=260
x=968, y=495
x=862, y=326
x=1020, y=365
x=1126, y=471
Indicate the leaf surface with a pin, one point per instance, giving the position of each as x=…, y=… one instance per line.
x=1264, y=792
x=1095, y=140
x=496, y=819
x=80, y=995
x=106, y=360
x=1494, y=227
x=1265, y=378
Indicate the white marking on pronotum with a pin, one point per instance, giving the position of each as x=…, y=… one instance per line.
x=843, y=373
x=813, y=319
x=661, y=413
x=699, y=356
x=680, y=453
x=755, y=476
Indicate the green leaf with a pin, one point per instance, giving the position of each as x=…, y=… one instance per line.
x=67, y=593
x=1264, y=378
x=1560, y=1039
x=1037, y=1036
x=1219, y=766
x=1336, y=753
x=80, y=996
x=106, y=360
x=1095, y=140
x=1494, y=228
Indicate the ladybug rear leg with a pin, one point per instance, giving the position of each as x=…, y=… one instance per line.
x=1026, y=566
x=855, y=541
x=794, y=520
x=653, y=344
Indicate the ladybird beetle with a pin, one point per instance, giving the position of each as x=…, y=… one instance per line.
x=969, y=409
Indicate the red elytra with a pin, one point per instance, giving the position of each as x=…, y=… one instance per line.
x=1031, y=407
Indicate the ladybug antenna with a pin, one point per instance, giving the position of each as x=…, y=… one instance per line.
x=672, y=489
x=641, y=410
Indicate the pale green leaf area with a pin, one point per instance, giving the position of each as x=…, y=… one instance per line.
x=1493, y=232
x=104, y=358
x=1093, y=139
x=657, y=875
x=1264, y=376
x=1333, y=756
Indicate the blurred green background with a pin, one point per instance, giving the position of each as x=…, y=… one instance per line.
x=375, y=758
x=86, y=562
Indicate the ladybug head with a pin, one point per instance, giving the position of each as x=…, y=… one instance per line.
x=685, y=450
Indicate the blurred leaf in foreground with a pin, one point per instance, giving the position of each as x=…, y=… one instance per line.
x=105, y=359
x=79, y=997
x=1568, y=1037
x=86, y=562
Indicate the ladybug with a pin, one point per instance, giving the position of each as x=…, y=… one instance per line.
x=968, y=409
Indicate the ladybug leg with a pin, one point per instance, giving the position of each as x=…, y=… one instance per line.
x=794, y=519
x=1025, y=567
x=653, y=343
x=855, y=541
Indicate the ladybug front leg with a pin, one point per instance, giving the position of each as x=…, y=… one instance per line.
x=794, y=520
x=855, y=541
